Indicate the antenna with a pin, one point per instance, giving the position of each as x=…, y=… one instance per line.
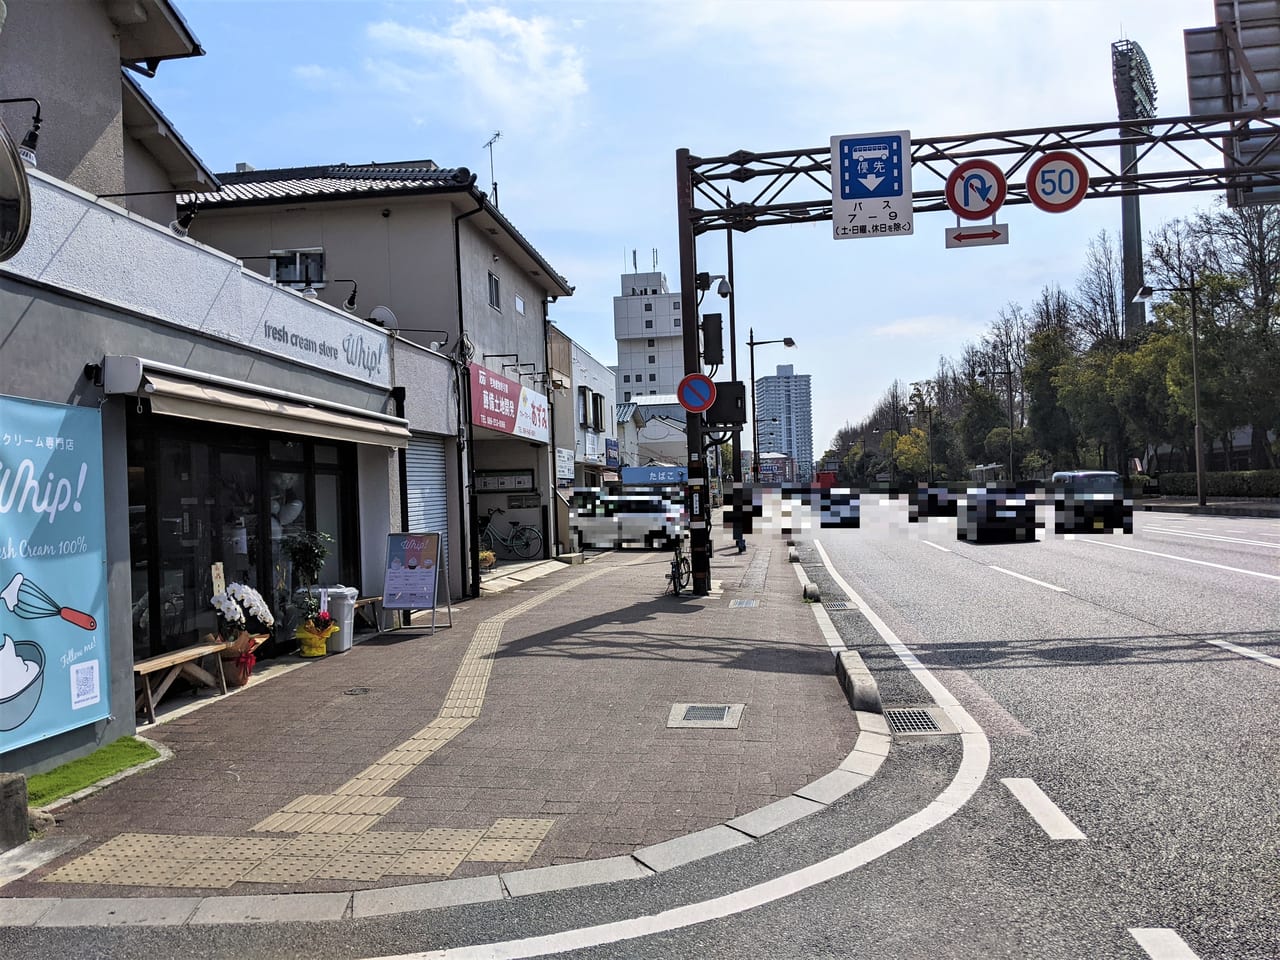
x=655, y=259
x=497, y=135
x=634, y=267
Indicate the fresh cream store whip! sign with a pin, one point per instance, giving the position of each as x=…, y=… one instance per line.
x=331, y=343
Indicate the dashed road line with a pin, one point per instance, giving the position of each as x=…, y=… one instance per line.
x=1211, y=536
x=1170, y=556
x=1161, y=943
x=1245, y=652
x=935, y=546
x=1020, y=576
x=1043, y=810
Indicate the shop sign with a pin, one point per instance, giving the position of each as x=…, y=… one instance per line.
x=54, y=665
x=331, y=343
x=413, y=566
x=610, y=452
x=508, y=407
x=564, y=464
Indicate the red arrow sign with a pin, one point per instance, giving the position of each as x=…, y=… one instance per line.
x=962, y=237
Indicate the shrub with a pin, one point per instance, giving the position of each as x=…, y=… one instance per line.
x=1234, y=483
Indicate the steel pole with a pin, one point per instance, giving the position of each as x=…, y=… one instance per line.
x=698, y=492
x=1008, y=379
x=1195, y=396
x=736, y=458
x=755, y=411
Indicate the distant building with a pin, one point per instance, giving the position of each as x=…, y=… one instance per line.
x=647, y=327
x=785, y=419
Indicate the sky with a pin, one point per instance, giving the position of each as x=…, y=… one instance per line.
x=594, y=98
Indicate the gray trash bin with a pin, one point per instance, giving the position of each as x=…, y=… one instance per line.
x=342, y=607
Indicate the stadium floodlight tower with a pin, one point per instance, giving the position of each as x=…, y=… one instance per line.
x=1136, y=100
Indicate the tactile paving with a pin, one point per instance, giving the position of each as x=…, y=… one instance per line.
x=510, y=828
x=315, y=845
x=427, y=863
x=282, y=869
x=358, y=866
x=442, y=838
x=145, y=844
x=245, y=848
x=391, y=842
x=503, y=851
x=213, y=874
x=88, y=869
x=152, y=873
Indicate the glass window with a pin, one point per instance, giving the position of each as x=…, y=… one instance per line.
x=652, y=358
x=676, y=321
x=651, y=341
x=627, y=395
x=326, y=453
x=626, y=378
x=298, y=267
x=648, y=324
x=648, y=308
x=519, y=304
x=290, y=451
x=653, y=376
x=495, y=292
x=675, y=305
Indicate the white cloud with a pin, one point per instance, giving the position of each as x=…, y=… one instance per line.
x=321, y=78
x=487, y=68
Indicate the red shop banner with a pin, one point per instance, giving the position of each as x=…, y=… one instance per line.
x=508, y=407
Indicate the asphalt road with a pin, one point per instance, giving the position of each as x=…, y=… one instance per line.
x=1112, y=674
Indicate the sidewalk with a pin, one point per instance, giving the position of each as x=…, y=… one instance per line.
x=532, y=733
x=1214, y=506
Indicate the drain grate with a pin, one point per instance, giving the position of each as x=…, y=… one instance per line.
x=911, y=720
x=838, y=605
x=697, y=712
x=356, y=692
x=744, y=603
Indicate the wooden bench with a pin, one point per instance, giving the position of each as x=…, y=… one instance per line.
x=184, y=662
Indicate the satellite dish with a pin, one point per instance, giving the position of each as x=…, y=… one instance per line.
x=383, y=317
x=15, y=197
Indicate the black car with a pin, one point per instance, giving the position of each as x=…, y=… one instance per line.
x=997, y=513
x=931, y=500
x=1091, y=501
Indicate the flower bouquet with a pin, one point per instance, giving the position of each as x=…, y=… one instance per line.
x=244, y=622
x=314, y=633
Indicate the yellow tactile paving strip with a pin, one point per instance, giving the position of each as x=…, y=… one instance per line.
x=334, y=842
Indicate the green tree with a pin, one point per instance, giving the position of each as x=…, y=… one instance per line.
x=982, y=413
x=1051, y=426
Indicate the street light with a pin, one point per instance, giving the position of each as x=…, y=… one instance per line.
x=752, y=343
x=1008, y=373
x=1144, y=294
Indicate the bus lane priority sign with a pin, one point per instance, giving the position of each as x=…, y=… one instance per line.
x=871, y=185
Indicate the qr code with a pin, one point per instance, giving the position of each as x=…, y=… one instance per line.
x=84, y=684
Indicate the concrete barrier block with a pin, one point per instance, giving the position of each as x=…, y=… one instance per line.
x=13, y=810
x=858, y=684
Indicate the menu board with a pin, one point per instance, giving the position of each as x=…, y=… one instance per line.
x=413, y=567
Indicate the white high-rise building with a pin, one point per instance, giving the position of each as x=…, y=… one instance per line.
x=785, y=418
x=647, y=327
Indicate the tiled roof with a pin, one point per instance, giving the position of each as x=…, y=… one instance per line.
x=332, y=182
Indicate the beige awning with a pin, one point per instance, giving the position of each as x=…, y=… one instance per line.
x=204, y=401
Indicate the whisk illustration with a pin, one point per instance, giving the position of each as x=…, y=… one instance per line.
x=28, y=601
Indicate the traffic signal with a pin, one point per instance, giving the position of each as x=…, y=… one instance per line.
x=712, y=339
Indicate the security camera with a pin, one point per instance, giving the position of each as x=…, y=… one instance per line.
x=723, y=288
x=386, y=211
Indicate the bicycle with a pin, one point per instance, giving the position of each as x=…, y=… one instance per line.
x=681, y=574
x=522, y=540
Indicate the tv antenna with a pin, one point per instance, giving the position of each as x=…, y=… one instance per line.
x=497, y=135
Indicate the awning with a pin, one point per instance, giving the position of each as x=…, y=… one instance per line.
x=203, y=401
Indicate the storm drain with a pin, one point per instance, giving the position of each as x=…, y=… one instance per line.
x=356, y=692
x=911, y=720
x=839, y=605
x=723, y=716
x=744, y=603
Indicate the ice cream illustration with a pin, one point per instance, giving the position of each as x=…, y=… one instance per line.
x=15, y=673
x=21, y=681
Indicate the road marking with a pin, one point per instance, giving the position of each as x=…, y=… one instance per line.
x=935, y=546
x=1161, y=943
x=975, y=759
x=1170, y=556
x=1245, y=651
x=1043, y=810
x=1038, y=583
x=1207, y=536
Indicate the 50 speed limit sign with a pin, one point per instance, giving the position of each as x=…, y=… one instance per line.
x=1057, y=181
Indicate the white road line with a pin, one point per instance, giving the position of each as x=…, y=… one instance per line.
x=1245, y=652
x=1038, y=583
x=1161, y=943
x=1043, y=810
x=929, y=543
x=975, y=760
x=1170, y=556
x=1207, y=536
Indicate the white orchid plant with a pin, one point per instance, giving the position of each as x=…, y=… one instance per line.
x=237, y=605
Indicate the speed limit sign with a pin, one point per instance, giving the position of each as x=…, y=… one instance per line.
x=1057, y=181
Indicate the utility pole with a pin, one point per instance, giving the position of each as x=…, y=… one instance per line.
x=488, y=145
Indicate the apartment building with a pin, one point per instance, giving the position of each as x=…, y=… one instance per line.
x=785, y=419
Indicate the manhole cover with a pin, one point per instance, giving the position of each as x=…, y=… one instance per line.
x=356, y=691
x=705, y=713
x=911, y=720
x=744, y=603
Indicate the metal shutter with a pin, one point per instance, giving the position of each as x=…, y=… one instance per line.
x=426, y=490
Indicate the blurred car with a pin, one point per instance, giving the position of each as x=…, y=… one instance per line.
x=1090, y=501
x=999, y=513
x=652, y=517
x=931, y=500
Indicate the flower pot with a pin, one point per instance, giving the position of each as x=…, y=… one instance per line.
x=314, y=643
x=238, y=660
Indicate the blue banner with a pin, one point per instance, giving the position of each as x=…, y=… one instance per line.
x=655, y=474
x=54, y=668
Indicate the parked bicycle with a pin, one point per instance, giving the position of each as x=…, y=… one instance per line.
x=521, y=540
x=681, y=574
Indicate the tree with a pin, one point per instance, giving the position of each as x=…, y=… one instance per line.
x=1051, y=426
x=982, y=412
x=911, y=453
